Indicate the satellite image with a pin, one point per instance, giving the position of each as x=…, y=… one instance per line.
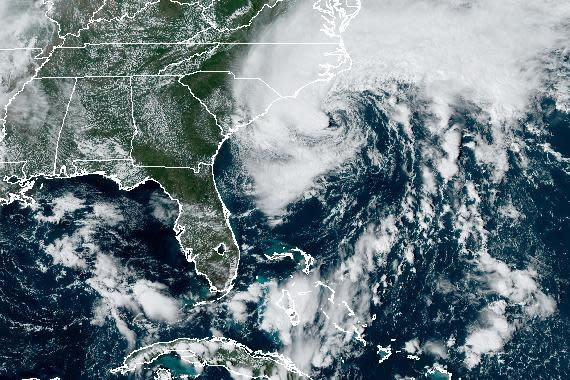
x=284, y=189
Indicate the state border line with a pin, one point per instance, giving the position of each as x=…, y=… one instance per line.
x=102, y=160
x=195, y=168
x=188, y=43
x=21, y=48
x=180, y=75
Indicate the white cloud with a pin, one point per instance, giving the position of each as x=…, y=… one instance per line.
x=318, y=319
x=412, y=346
x=107, y=213
x=121, y=290
x=494, y=154
x=286, y=150
x=436, y=348
x=518, y=286
x=163, y=374
x=64, y=251
x=514, y=287
x=447, y=166
x=61, y=206
x=24, y=25
x=511, y=212
x=301, y=296
x=237, y=305
x=238, y=310
x=109, y=280
x=428, y=179
x=490, y=53
x=490, y=337
x=20, y=19
x=73, y=250
x=372, y=246
x=162, y=210
x=473, y=52
x=154, y=303
x=487, y=51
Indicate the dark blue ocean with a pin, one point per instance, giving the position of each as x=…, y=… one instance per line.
x=47, y=309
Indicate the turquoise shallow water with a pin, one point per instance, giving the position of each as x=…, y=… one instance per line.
x=445, y=294
x=46, y=324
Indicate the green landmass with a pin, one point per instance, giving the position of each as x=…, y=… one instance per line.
x=188, y=356
x=137, y=90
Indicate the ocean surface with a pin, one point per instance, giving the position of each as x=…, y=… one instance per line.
x=420, y=293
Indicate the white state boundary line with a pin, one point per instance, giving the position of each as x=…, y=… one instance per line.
x=330, y=18
x=195, y=168
x=117, y=76
x=61, y=128
x=92, y=20
x=208, y=52
x=21, y=48
x=186, y=43
x=329, y=30
x=133, y=120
